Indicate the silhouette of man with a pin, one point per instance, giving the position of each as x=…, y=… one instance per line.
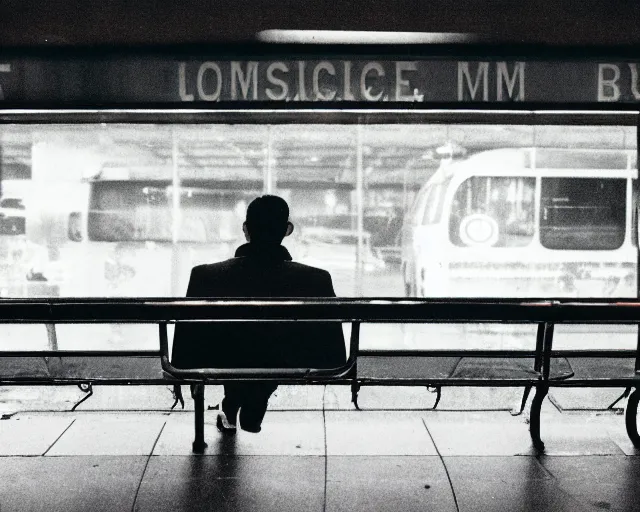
x=261, y=268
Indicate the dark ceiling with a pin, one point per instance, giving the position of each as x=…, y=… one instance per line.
x=141, y=22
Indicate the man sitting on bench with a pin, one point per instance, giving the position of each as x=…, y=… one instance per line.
x=261, y=268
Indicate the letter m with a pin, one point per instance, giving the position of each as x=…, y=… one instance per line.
x=510, y=81
x=245, y=80
x=465, y=75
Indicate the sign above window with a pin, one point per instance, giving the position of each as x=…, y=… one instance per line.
x=153, y=80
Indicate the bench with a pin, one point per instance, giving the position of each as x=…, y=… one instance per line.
x=538, y=369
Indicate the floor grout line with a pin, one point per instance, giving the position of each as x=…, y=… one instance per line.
x=58, y=438
x=444, y=465
x=144, y=470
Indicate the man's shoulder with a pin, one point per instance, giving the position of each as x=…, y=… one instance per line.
x=213, y=268
x=307, y=269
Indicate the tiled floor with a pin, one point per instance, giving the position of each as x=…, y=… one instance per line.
x=316, y=460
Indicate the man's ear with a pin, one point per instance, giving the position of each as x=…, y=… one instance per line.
x=289, y=229
x=246, y=232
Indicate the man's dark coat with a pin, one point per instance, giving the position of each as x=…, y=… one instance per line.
x=259, y=271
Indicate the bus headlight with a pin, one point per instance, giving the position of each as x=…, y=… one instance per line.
x=479, y=229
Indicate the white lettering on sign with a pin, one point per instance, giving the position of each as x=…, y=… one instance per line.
x=347, y=94
x=214, y=68
x=301, y=94
x=278, y=82
x=608, y=89
x=635, y=81
x=401, y=82
x=330, y=69
x=464, y=74
x=238, y=75
x=510, y=82
x=364, y=90
x=4, y=68
x=182, y=83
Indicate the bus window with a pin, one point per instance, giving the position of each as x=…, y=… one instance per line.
x=582, y=213
x=493, y=211
x=143, y=211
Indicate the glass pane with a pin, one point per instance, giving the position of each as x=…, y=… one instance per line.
x=390, y=210
x=493, y=211
x=583, y=214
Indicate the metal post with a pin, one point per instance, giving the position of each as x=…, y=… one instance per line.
x=268, y=164
x=636, y=196
x=175, y=216
x=543, y=387
x=198, y=402
x=359, y=211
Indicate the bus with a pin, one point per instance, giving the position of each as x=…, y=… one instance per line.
x=525, y=222
x=126, y=237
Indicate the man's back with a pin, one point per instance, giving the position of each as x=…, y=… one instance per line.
x=259, y=272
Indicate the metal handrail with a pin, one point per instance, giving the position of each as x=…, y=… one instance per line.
x=370, y=310
x=546, y=313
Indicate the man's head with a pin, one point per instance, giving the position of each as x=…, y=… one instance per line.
x=267, y=220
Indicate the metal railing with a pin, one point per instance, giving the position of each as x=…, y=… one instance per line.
x=163, y=311
x=546, y=314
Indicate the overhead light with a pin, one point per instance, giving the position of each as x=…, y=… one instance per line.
x=362, y=37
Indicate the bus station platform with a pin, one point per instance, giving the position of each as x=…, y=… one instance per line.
x=317, y=460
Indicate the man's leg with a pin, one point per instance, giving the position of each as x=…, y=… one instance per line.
x=254, y=405
x=233, y=396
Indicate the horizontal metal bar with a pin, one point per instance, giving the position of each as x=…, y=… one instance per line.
x=447, y=353
x=578, y=353
x=79, y=353
x=594, y=353
x=531, y=114
x=342, y=310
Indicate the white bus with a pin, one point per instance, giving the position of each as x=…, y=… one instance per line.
x=133, y=237
x=525, y=222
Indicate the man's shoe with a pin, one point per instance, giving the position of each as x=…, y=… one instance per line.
x=224, y=425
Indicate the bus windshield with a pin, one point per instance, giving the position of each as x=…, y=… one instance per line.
x=144, y=211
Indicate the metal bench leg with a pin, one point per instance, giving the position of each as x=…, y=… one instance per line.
x=198, y=396
x=534, y=420
x=438, y=391
x=631, y=418
x=625, y=394
x=523, y=403
x=88, y=389
x=355, y=387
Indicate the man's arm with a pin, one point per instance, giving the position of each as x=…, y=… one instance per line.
x=332, y=352
x=186, y=334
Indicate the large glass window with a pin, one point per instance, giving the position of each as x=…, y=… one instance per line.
x=428, y=210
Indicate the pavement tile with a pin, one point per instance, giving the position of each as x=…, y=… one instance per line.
x=69, y=484
x=617, y=431
x=387, y=484
x=24, y=434
x=604, y=482
x=283, y=433
x=508, y=484
x=225, y=484
x=109, y=434
x=475, y=434
x=377, y=433
x=577, y=435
